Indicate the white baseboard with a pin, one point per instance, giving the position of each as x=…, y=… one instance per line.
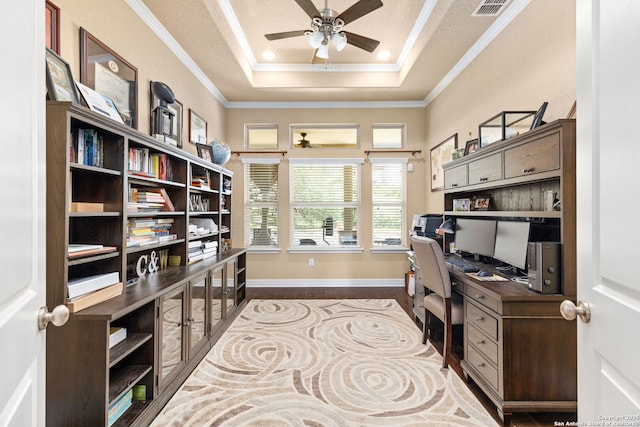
x=324, y=283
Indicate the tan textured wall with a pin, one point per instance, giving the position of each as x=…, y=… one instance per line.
x=367, y=265
x=531, y=61
x=116, y=25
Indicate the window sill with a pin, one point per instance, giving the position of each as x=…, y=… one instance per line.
x=389, y=250
x=264, y=249
x=327, y=249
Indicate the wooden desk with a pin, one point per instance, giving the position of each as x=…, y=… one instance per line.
x=517, y=347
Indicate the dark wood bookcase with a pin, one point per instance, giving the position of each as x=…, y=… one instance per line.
x=173, y=315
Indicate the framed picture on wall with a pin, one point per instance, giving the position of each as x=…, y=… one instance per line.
x=52, y=26
x=441, y=154
x=110, y=75
x=197, y=128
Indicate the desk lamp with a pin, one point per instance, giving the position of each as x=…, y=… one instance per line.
x=447, y=227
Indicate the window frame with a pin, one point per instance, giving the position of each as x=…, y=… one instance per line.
x=248, y=127
x=295, y=129
x=248, y=205
x=403, y=205
x=403, y=135
x=356, y=162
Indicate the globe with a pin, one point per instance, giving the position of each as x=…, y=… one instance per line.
x=221, y=152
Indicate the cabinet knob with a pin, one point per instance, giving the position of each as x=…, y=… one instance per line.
x=58, y=316
x=480, y=342
x=480, y=365
x=479, y=319
x=454, y=185
x=479, y=296
x=528, y=170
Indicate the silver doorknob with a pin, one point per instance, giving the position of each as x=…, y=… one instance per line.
x=570, y=311
x=58, y=316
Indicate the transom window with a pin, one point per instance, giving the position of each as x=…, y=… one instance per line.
x=388, y=136
x=261, y=137
x=324, y=136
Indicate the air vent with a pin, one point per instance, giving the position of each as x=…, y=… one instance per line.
x=490, y=7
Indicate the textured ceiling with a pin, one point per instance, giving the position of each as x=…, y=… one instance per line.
x=225, y=39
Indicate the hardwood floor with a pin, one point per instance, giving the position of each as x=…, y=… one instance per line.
x=399, y=294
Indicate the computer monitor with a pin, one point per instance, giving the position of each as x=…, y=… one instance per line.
x=475, y=236
x=512, y=238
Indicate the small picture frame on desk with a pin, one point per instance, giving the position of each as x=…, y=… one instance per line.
x=461, y=205
x=481, y=203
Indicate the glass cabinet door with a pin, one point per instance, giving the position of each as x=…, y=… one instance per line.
x=230, y=291
x=197, y=320
x=172, y=357
x=216, y=277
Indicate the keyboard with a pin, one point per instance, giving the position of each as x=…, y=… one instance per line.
x=462, y=265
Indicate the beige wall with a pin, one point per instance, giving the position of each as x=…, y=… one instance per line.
x=367, y=265
x=116, y=25
x=531, y=61
x=528, y=63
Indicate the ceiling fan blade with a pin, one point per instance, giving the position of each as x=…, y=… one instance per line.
x=309, y=8
x=362, y=42
x=359, y=9
x=286, y=34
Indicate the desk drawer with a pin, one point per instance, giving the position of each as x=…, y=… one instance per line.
x=483, y=298
x=536, y=156
x=483, y=367
x=484, y=345
x=481, y=320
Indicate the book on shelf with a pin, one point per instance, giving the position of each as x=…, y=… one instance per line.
x=80, y=250
x=86, y=207
x=92, y=298
x=117, y=334
x=119, y=407
x=84, y=285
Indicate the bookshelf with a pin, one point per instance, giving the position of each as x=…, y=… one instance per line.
x=120, y=206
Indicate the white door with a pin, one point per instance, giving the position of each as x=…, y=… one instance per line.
x=22, y=215
x=608, y=181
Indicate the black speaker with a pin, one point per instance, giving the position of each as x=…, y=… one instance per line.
x=544, y=267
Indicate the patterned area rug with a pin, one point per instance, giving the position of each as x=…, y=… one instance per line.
x=323, y=363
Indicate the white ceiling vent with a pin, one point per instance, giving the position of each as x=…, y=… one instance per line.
x=490, y=7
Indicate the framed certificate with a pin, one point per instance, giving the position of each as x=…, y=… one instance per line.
x=110, y=75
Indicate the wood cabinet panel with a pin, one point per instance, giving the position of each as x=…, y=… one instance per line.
x=487, y=169
x=455, y=177
x=533, y=157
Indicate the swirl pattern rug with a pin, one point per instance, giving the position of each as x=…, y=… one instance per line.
x=323, y=363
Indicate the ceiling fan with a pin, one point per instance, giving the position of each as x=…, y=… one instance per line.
x=304, y=143
x=326, y=27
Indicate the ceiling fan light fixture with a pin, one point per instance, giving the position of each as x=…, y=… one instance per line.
x=339, y=40
x=315, y=39
x=323, y=51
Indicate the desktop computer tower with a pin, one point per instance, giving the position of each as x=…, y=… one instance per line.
x=543, y=267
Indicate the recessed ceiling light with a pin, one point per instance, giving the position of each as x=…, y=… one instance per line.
x=384, y=54
x=268, y=55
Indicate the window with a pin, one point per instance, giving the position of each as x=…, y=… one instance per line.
x=324, y=136
x=261, y=202
x=388, y=177
x=388, y=135
x=325, y=202
x=261, y=137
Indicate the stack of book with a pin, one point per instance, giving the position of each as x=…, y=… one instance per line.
x=84, y=292
x=209, y=249
x=159, y=166
x=195, y=251
x=149, y=200
x=149, y=231
x=75, y=250
x=119, y=407
x=117, y=334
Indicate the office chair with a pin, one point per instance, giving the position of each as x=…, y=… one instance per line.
x=431, y=272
